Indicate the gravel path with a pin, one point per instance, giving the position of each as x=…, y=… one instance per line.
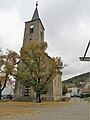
x=75, y=110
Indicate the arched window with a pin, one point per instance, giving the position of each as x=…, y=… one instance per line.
x=31, y=28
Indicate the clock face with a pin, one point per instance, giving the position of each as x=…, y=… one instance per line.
x=31, y=26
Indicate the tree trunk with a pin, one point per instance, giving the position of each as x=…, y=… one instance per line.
x=0, y=90
x=38, y=99
x=0, y=94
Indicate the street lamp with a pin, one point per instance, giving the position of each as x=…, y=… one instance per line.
x=84, y=58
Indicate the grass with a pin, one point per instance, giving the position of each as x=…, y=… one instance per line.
x=13, y=107
x=6, y=111
x=21, y=104
x=9, y=113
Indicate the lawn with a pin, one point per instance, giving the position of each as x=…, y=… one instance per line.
x=12, y=103
x=13, y=108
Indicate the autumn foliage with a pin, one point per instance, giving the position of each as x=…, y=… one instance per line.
x=8, y=63
x=36, y=68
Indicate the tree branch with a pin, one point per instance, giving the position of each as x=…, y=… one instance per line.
x=5, y=82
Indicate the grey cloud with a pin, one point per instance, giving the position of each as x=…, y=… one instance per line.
x=7, y=4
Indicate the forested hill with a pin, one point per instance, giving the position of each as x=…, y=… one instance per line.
x=77, y=79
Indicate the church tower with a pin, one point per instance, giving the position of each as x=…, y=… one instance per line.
x=34, y=29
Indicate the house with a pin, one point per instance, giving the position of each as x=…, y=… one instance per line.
x=9, y=89
x=74, y=91
x=70, y=86
x=85, y=86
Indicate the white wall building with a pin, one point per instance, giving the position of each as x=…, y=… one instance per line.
x=9, y=89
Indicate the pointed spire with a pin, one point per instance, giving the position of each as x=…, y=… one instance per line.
x=35, y=15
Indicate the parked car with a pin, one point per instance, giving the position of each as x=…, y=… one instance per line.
x=85, y=95
x=7, y=96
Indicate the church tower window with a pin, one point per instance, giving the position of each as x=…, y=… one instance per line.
x=30, y=39
x=31, y=28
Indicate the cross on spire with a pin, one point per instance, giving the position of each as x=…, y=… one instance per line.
x=36, y=3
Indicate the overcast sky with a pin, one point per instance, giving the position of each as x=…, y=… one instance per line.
x=67, y=29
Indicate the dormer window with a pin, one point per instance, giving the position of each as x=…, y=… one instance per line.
x=31, y=28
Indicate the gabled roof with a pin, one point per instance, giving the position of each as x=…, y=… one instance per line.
x=35, y=15
x=83, y=84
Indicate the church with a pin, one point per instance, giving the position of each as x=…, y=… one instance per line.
x=34, y=30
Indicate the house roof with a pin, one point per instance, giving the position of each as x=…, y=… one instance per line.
x=83, y=84
x=70, y=85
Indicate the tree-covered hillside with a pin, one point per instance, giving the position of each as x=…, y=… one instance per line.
x=77, y=79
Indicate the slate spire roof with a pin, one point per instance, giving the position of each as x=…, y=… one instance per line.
x=35, y=15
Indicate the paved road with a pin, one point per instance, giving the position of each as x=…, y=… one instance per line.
x=75, y=110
